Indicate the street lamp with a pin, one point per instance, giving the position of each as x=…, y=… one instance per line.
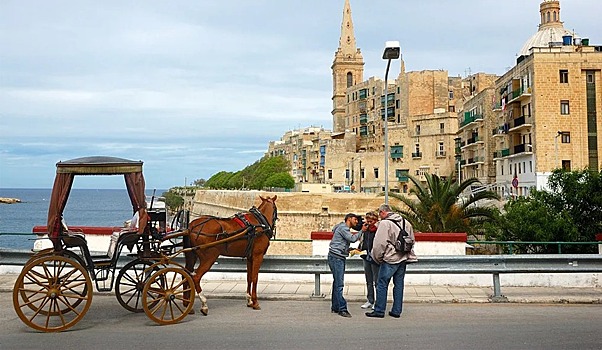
x=392, y=52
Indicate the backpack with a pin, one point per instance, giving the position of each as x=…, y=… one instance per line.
x=404, y=243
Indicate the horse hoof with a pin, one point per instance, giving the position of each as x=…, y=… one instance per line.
x=204, y=312
x=256, y=307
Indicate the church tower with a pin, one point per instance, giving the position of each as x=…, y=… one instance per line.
x=347, y=69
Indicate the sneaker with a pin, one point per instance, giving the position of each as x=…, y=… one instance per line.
x=367, y=305
x=344, y=314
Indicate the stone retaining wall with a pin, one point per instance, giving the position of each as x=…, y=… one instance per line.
x=299, y=213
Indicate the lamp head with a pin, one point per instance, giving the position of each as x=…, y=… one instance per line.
x=392, y=50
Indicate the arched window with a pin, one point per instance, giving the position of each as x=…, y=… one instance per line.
x=548, y=15
x=554, y=16
x=349, y=79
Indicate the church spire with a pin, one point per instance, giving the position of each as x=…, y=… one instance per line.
x=347, y=69
x=347, y=41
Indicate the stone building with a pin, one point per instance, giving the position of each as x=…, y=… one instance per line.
x=505, y=131
x=547, y=107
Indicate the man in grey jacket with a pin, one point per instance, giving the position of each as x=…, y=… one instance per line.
x=392, y=263
x=337, y=255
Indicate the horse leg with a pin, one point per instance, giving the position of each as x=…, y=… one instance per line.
x=249, y=280
x=256, y=264
x=207, y=261
x=190, y=258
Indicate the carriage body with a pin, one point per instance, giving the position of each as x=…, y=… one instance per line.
x=54, y=290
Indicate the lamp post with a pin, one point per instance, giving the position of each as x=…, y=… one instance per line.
x=392, y=52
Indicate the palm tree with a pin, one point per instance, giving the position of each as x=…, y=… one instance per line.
x=440, y=208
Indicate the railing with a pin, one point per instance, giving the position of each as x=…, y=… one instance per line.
x=510, y=244
x=461, y=264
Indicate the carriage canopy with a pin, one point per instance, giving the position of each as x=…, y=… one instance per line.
x=97, y=165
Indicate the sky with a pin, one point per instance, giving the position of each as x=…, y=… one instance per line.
x=193, y=87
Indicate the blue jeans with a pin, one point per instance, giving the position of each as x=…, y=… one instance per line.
x=386, y=272
x=337, y=267
x=371, y=273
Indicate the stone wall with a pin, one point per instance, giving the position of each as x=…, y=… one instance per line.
x=299, y=213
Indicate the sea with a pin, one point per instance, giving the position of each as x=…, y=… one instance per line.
x=88, y=207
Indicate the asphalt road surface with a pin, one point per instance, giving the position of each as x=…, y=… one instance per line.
x=310, y=325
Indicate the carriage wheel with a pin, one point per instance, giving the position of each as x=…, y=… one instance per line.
x=62, y=308
x=168, y=295
x=130, y=284
x=52, y=293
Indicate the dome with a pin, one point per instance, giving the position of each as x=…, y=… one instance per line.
x=544, y=37
x=551, y=30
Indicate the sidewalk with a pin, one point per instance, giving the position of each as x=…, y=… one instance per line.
x=283, y=290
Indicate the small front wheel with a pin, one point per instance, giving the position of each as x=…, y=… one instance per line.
x=130, y=283
x=168, y=295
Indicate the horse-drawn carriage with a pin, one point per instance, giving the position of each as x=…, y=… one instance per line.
x=54, y=289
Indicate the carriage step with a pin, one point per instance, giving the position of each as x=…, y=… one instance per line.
x=103, y=289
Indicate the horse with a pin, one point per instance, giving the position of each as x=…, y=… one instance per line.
x=245, y=234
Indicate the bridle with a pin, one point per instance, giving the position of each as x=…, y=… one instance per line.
x=269, y=230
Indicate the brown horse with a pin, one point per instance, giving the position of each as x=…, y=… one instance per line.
x=243, y=235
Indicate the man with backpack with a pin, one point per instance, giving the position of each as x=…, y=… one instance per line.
x=392, y=261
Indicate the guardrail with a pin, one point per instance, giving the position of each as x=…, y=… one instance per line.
x=457, y=264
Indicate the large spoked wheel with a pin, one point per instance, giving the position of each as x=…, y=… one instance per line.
x=130, y=284
x=63, y=308
x=52, y=293
x=168, y=295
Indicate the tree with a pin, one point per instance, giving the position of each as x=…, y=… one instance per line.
x=532, y=220
x=266, y=168
x=219, y=180
x=280, y=180
x=439, y=207
x=173, y=201
x=570, y=212
x=199, y=182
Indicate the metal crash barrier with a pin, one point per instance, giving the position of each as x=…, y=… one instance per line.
x=457, y=264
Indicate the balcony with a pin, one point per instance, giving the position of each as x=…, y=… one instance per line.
x=523, y=148
x=362, y=106
x=403, y=178
x=520, y=123
x=440, y=154
x=501, y=153
x=417, y=155
x=396, y=152
x=470, y=119
x=363, y=119
x=501, y=130
x=519, y=94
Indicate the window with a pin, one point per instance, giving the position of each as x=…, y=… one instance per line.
x=452, y=108
x=349, y=79
x=347, y=173
x=564, y=107
x=362, y=173
x=442, y=128
x=329, y=174
x=451, y=95
x=376, y=173
x=564, y=76
x=566, y=165
x=530, y=166
x=417, y=129
x=590, y=78
x=565, y=137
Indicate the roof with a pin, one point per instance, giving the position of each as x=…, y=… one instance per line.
x=99, y=165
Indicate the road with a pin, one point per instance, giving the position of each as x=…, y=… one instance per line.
x=310, y=325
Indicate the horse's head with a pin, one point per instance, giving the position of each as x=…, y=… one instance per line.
x=269, y=210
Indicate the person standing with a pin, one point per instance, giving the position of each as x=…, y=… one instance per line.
x=370, y=266
x=337, y=255
x=392, y=263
